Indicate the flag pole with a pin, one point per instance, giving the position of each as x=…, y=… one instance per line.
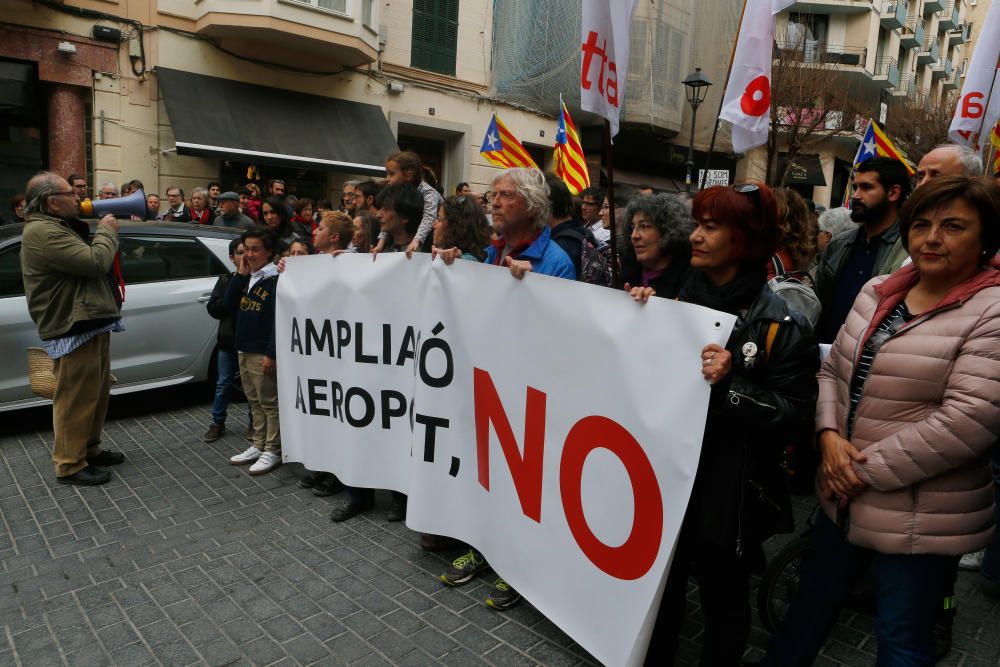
x=729, y=72
x=609, y=162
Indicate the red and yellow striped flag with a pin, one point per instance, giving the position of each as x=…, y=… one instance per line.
x=571, y=165
x=885, y=148
x=502, y=148
x=995, y=140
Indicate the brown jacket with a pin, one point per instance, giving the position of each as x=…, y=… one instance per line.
x=928, y=416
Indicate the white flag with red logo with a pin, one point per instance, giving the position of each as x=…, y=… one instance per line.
x=747, y=103
x=978, y=108
x=605, y=47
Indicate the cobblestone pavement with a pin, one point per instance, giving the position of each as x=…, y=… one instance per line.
x=183, y=559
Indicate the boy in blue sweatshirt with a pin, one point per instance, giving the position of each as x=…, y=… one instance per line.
x=251, y=297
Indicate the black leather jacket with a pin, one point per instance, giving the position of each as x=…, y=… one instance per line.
x=740, y=494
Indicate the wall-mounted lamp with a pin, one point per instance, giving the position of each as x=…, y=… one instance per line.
x=69, y=48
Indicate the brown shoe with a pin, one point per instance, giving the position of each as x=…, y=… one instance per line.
x=214, y=432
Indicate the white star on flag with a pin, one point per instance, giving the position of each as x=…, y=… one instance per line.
x=870, y=147
x=494, y=141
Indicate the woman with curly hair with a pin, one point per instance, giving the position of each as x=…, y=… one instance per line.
x=462, y=224
x=657, y=258
x=797, y=234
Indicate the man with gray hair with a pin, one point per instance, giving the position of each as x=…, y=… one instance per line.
x=521, y=212
x=108, y=191
x=348, y=198
x=74, y=292
x=949, y=160
x=830, y=223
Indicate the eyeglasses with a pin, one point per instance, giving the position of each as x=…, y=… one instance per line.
x=63, y=194
x=504, y=194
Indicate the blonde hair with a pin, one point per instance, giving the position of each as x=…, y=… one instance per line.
x=340, y=224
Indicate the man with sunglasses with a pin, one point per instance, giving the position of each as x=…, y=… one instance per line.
x=854, y=257
x=74, y=295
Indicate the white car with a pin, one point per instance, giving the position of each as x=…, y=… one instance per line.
x=169, y=338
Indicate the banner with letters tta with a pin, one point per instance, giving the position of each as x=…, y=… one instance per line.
x=556, y=426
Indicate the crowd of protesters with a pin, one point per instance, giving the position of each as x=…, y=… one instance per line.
x=895, y=431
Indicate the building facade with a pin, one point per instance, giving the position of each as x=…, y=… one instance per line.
x=174, y=92
x=885, y=48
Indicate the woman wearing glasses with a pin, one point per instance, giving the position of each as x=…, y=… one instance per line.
x=907, y=416
x=763, y=386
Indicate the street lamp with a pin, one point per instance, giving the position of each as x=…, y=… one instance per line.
x=696, y=86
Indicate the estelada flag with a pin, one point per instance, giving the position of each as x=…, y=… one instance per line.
x=875, y=143
x=571, y=166
x=502, y=148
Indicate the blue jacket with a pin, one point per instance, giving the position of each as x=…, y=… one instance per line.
x=546, y=257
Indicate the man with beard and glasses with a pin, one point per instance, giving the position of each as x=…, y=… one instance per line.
x=854, y=257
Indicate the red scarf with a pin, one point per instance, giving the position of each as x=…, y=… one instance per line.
x=515, y=251
x=204, y=218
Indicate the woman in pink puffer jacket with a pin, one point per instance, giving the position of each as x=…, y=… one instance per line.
x=908, y=411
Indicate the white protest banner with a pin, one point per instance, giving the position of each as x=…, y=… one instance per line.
x=978, y=107
x=604, y=67
x=555, y=426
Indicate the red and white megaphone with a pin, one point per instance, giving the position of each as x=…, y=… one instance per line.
x=133, y=205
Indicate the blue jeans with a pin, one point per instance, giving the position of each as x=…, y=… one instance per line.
x=908, y=589
x=228, y=368
x=991, y=560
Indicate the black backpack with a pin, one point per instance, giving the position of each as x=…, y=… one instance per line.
x=595, y=257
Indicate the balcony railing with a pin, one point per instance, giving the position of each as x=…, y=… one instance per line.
x=929, y=51
x=893, y=14
x=960, y=35
x=887, y=70
x=814, y=52
x=906, y=87
x=942, y=68
x=949, y=17
x=912, y=33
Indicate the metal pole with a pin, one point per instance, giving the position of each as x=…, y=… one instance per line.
x=609, y=162
x=690, y=160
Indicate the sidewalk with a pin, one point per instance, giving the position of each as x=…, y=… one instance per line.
x=183, y=559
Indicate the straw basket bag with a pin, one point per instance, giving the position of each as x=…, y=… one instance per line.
x=40, y=373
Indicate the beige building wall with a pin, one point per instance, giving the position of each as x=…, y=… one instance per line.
x=132, y=135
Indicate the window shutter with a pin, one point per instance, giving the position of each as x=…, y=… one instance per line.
x=435, y=35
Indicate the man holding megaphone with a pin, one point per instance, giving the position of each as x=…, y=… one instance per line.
x=74, y=290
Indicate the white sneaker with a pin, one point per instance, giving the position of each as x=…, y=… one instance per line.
x=249, y=455
x=972, y=562
x=267, y=462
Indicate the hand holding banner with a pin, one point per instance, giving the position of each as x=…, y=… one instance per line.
x=555, y=426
